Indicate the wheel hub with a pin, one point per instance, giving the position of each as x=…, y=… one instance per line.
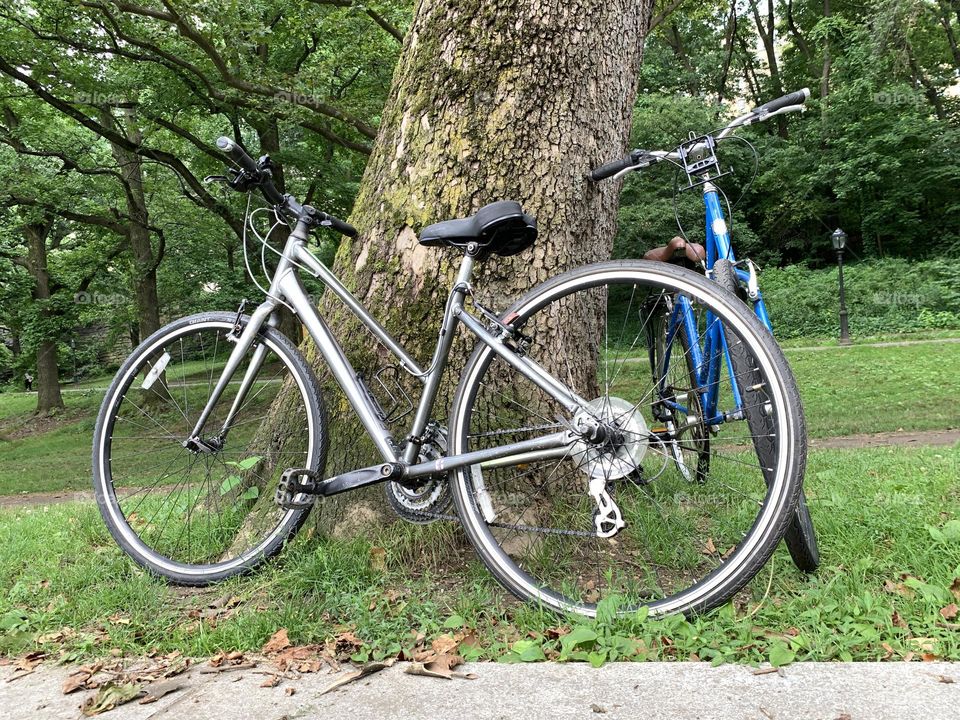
x=622, y=442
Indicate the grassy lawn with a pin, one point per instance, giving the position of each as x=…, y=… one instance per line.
x=854, y=390
x=889, y=564
x=876, y=389
x=888, y=519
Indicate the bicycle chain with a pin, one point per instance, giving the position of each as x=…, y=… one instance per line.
x=505, y=526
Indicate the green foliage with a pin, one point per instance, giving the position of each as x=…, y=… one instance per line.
x=883, y=296
x=877, y=156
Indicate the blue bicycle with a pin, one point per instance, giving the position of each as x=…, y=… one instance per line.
x=703, y=381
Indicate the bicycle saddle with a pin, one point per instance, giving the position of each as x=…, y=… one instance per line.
x=501, y=227
x=694, y=252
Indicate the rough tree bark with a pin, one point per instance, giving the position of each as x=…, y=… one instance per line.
x=491, y=100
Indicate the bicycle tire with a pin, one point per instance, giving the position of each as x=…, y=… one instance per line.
x=741, y=563
x=800, y=538
x=121, y=526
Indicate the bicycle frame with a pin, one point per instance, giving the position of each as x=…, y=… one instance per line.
x=708, y=360
x=286, y=287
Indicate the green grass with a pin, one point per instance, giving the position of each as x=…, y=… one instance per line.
x=848, y=391
x=887, y=518
x=876, y=389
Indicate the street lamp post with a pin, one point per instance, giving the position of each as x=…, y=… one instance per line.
x=839, y=240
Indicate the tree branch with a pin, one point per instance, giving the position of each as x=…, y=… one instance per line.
x=664, y=14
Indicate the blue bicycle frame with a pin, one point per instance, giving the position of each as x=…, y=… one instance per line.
x=712, y=357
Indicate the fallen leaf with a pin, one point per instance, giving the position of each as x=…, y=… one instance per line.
x=76, y=681
x=277, y=642
x=899, y=621
x=155, y=691
x=709, y=548
x=889, y=649
x=949, y=612
x=945, y=679
x=367, y=669
x=347, y=643
x=439, y=668
x=109, y=696
x=271, y=681
x=444, y=644
x=290, y=691
x=598, y=708
x=955, y=588
x=898, y=588
x=923, y=644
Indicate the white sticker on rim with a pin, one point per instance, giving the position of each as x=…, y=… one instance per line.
x=719, y=227
x=156, y=371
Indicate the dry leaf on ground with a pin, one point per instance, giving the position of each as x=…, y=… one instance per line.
x=158, y=690
x=277, y=642
x=108, y=696
x=367, y=669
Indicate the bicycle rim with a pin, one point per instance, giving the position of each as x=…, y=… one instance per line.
x=686, y=546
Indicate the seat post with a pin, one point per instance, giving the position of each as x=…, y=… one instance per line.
x=466, y=265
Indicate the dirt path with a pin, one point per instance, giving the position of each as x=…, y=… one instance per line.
x=928, y=438
x=890, y=343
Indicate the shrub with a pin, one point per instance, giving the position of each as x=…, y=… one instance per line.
x=883, y=296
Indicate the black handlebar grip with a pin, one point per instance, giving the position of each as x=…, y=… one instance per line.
x=612, y=168
x=238, y=155
x=794, y=98
x=249, y=165
x=335, y=223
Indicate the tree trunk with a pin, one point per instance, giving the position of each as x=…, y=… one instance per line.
x=767, y=32
x=49, y=398
x=490, y=101
x=138, y=232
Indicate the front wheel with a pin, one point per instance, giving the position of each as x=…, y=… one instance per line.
x=801, y=538
x=684, y=547
x=199, y=512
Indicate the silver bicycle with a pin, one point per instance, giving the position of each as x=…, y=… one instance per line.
x=211, y=443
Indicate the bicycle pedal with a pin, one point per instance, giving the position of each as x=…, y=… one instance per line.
x=291, y=485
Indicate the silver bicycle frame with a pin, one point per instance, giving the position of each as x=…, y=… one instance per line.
x=286, y=287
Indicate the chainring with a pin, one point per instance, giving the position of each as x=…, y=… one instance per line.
x=424, y=502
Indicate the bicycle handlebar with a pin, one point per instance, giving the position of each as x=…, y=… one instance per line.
x=263, y=178
x=613, y=167
x=792, y=102
x=795, y=98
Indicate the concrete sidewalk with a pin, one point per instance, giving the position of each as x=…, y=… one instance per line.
x=827, y=691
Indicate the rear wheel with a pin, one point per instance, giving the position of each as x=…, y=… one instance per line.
x=801, y=538
x=199, y=513
x=684, y=546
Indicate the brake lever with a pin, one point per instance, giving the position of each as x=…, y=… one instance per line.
x=216, y=178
